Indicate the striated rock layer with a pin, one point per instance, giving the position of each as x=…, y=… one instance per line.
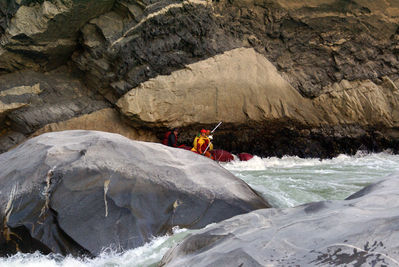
x=77, y=192
x=359, y=231
x=43, y=34
x=312, y=78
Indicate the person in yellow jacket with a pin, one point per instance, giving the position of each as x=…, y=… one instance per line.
x=201, y=144
x=196, y=141
x=208, y=132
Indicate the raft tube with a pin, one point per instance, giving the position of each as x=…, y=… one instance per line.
x=245, y=156
x=222, y=155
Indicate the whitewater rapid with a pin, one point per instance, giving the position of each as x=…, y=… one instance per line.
x=284, y=182
x=291, y=181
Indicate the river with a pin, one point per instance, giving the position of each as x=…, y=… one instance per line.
x=284, y=182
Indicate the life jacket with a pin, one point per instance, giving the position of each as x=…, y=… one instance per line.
x=166, y=137
x=202, y=144
x=196, y=140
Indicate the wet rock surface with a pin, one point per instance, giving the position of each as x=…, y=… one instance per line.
x=361, y=230
x=76, y=192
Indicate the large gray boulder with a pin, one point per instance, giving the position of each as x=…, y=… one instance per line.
x=82, y=191
x=359, y=231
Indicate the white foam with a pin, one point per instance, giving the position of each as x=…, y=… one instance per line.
x=147, y=255
x=290, y=181
x=370, y=160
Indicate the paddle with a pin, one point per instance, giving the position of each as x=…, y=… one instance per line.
x=214, y=129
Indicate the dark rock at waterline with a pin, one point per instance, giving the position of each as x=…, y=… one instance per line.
x=278, y=140
x=81, y=191
x=360, y=231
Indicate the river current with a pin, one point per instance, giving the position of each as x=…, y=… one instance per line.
x=284, y=182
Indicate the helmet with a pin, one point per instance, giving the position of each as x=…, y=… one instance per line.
x=203, y=131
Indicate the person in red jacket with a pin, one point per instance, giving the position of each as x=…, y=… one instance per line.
x=170, y=138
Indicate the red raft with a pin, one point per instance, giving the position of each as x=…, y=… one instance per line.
x=185, y=147
x=245, y=156
x=222, y=155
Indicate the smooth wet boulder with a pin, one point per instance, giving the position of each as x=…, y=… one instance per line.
x=360, y=231
x=82, y=191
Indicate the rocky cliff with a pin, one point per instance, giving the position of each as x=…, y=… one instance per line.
x=313, y=79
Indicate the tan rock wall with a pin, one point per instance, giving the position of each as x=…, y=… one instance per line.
x=236, y=87
x=14, y=92
x=360, y=102
x=107, y=120
x=242, y=86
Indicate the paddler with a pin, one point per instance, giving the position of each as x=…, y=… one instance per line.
x=201, y=145
x=172, y=138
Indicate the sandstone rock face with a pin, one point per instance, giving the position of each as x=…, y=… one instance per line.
x=240, y=85
x=107, y=119
x=361, y=230
x=81, y=191
x=6, y=108
x=362, y=102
